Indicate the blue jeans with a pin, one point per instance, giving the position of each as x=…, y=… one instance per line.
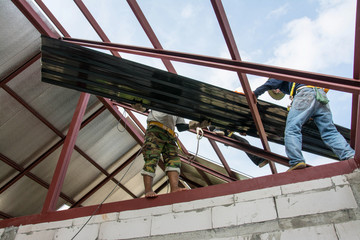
x=304, y=107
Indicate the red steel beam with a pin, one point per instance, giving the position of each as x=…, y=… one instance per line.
x=29, y=175
x=94, y=24
x=153, y=39
x=235, y=55
x=20, y=69
x=328, y=81
x=34, y=18
x=52, y=18
x=307, y=174
x=248, y=148
x=222, y=159
x=149, y=32
x=207, y=170
x=65, y=156
x=139, y=137
x=355, y=118
x=52, y=127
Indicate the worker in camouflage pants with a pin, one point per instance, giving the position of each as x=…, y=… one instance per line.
x=160, y=140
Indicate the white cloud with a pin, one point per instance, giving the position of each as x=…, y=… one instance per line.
x=280, y=11
x=317, y=44
x=187, y=11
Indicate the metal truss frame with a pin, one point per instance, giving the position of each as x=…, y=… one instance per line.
x=49, y=213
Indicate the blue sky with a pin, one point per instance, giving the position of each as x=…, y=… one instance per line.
x=310, y=35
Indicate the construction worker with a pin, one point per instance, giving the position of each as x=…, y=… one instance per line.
x=160, y=139
x=307, y=102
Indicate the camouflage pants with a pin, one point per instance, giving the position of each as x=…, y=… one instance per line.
x=159, y=142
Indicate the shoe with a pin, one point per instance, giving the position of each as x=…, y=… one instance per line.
x=263, y=163
x=299, y=165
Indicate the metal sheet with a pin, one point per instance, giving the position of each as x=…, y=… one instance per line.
x=86, y=70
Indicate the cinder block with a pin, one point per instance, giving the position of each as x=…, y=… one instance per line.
x=315, y=202
x=348, y=230
x=324, y=232
x=145, y=212
x=340, y=180
x=203, y=203
x=36, y=235
x=257, y=194
x=52, y=225
x=96, y=219
x=181, y=222
x=88, y=232
x=25, y=228
x=126, y=228
x=45, y=226
x=307, y=186
x=244, y=212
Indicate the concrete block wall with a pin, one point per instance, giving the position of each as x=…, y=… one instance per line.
x=324, y=209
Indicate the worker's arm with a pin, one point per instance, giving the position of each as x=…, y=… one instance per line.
x=272, y=83
x=192, y=125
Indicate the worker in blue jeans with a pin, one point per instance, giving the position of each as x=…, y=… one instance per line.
x=308, y=102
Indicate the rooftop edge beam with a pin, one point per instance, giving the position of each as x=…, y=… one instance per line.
x=328, y=81
x=319, y=172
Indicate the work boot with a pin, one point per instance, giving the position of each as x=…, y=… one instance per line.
x=299, y=165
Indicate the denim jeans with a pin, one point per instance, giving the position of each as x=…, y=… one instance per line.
x=304, y=107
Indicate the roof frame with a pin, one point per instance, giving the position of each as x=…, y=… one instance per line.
x=342, y=84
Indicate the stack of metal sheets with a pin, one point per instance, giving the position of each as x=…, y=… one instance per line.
x=72, y=66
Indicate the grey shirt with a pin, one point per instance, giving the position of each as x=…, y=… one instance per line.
x=168, y=120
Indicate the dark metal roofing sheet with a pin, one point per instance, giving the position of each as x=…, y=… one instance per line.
x=86, y=70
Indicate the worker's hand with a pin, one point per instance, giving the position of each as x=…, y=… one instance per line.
x=195, y=124
x=139, y=107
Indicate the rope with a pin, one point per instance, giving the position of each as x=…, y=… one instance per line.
x=199, y=135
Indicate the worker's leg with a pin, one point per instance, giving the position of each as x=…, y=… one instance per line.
x=174, y=181
x=329, y=134
x=151, y=150
x=172, y=164
x=149, y=193
x=300, y=112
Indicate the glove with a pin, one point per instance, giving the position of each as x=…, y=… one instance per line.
x=195, y=124
x=139, y=107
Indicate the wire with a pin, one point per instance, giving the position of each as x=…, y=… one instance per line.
x=107, y=196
